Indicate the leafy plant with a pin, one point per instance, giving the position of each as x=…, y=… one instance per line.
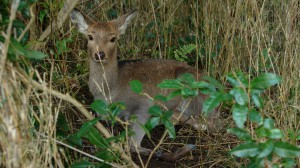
x=264, y=144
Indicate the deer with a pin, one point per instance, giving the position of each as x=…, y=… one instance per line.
x=109, y=79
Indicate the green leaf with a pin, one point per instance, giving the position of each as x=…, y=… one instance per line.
x=215, y=82
x=249, y=149
x=168, y=114
x=255, y=116
x=155, y=111
x=152, y=123
x=286, y=150
x=169, y=126
x=15, y=48
x=212, y=102
x=240, y=96
x=73, y=139
x=82, y=164
x=269, y=123
x=136, y=86
x=174, y=94
x=86, y=127
x=265, y=149
x=257, y=100
x=186, y=92
x=261, y=132
x=99, y=106
x=239, y=114
x=241, y=133
x=116, y=108
x=160, y=97
x=237, y=80
x=94, y=136
x=170, y=84
x=35, y=54
x=265, y=81
x=275, y=133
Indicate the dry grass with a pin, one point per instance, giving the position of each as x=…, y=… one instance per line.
x=249, y=36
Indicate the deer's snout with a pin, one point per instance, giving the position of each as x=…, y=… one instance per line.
x=99, y=56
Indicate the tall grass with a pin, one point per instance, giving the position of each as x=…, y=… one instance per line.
x=249, y=36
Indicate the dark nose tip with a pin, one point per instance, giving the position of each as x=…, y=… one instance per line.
x=99, y=55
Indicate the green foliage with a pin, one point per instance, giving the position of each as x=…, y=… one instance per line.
x=181, y=53
x=266, y=144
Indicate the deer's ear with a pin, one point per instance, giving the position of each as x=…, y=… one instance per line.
x=124, y=20
x=81, y=20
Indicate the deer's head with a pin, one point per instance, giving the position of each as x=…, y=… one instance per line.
x=102, y=36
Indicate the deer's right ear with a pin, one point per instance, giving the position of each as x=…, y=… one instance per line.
x=78, y=18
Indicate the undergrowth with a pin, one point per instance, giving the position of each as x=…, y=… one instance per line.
x=218, y=38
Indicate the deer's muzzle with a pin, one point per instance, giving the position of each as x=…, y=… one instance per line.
x=99, y=56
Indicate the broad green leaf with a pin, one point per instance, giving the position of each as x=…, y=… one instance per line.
x=257, y=100
x=169, y=126
x=249, y=149
x=170, y=84
x=200, y=85
x=174, y=94
x=261, y=132
x=265, y=149
x=168, y=114
x=241, y=133
x=265, y=81
x=239, y=114
x=286, y=150
x=94, y=136
x=160, y=97
x=152, y=123
x=275, y=133
x=212, y=102
x=99, y=106
x=155, y=111
x=215, y=82
x=82, y=164
x=240, y=96
x=237, y=80
x=255, y=116
x=136, y=86
x=186, y=92
x=269, y=123
x=86, y=127
x=35, y=54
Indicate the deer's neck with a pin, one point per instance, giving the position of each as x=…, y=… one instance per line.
x=103, y=79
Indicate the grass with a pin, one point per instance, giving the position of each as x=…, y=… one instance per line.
x=249, y=36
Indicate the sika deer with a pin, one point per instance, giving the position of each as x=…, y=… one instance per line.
x=109, y=78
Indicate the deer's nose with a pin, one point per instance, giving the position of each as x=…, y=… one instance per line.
x=99, y=55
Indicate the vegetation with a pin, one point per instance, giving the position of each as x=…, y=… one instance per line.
x=45, y=119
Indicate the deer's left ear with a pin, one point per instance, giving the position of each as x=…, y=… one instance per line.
x=124, y=20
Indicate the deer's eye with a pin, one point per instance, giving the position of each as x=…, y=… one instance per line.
x=113, y=39
x=90, y=37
